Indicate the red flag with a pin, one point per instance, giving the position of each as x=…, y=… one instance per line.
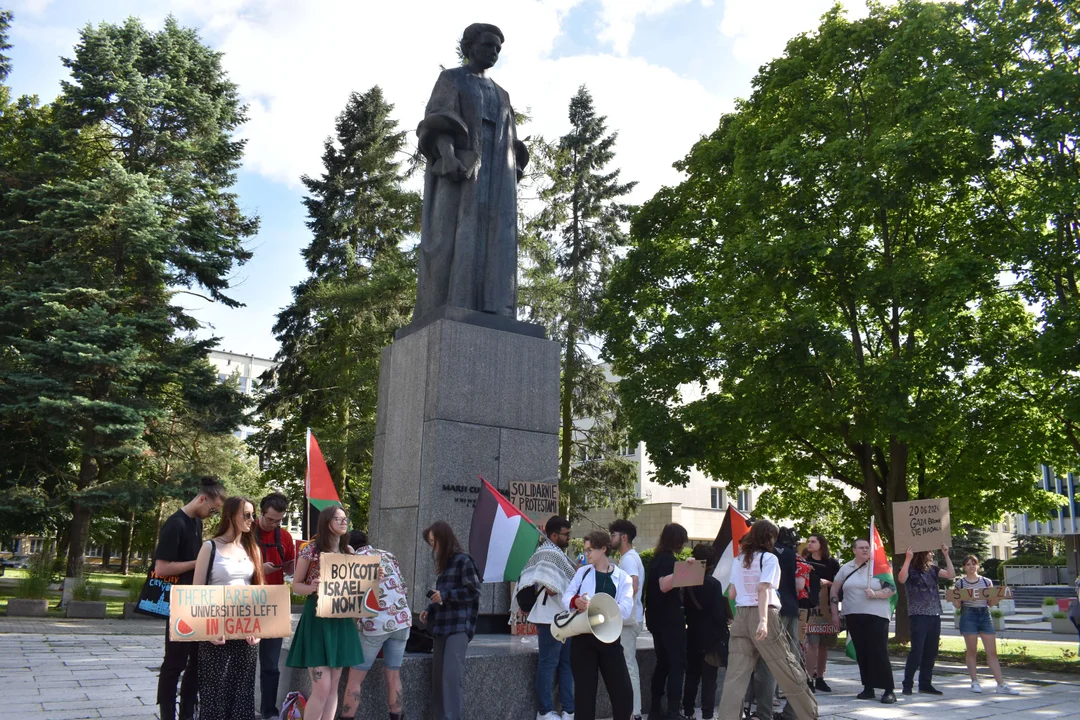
x=318, y=486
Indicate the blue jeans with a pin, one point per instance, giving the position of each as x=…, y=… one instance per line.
x=976, y=621
x=269, y=657
x=554, y=658
x=925, y=635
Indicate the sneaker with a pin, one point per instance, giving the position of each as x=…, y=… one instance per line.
x=976, y=687
x=1004, y=689
x=867, y=694
x=810, y=684
x=906, y=690
x=547, y=716
x=567, y=716
x=930, y=690
x=888, y=697
x=821, y=685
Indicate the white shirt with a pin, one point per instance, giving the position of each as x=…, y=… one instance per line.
x=631, y=564
x=764, y=568
x=584, y=583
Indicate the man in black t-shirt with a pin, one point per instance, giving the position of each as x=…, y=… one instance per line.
x=178, y=546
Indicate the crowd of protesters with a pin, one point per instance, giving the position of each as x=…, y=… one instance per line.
x=773, y=624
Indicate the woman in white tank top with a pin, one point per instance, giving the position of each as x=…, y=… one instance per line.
x=227, y=667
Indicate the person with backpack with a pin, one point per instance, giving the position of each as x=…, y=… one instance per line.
x=623, y=533
x=758, y=631
x=386, y=632
x=543, y=580
x=820, y=630
x=323, y=646
x=279, y=557
x=666, y=619
x=227, y=667
x=589, y=657
x=920, y=577
x=707, y=615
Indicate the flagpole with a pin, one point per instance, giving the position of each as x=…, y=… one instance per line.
x=307, y=482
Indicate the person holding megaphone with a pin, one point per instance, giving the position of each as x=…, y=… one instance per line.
x=600, y=598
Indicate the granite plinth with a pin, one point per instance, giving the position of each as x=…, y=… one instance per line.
x=500, y=681
x=472, y=317
x=458, y=401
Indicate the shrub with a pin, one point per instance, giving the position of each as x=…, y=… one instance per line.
x=83, y=590
x=996, y=613
x=38, y=576
x=1060, y=615
x=134, y=585
x=1049, y=601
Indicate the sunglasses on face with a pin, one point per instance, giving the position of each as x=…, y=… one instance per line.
x=249, y=516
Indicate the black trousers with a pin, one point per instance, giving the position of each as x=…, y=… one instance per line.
x=925, y=636
x=180, y=657
x=670, y=645
x=870, y=636
x=590, y=658
x=698, y=671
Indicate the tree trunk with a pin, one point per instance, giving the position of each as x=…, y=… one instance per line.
x=567, y=417
x=126, y=533
x=903, y=622
x=106, y=555
x=77, y=530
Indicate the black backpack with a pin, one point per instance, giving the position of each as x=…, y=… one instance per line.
x=526, y=598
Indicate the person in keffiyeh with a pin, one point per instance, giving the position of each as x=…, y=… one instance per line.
x=550, y=570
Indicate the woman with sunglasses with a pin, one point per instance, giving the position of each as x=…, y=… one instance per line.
x=227, y=667
x=325, y=646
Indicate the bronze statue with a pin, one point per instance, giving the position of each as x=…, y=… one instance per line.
x=468, y=236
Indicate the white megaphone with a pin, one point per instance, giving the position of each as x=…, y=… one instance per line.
x=602, y=618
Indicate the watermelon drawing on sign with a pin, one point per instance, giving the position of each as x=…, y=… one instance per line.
x=371, y=602
x=183, y=629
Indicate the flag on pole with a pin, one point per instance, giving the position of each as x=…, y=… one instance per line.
x=502, y=538
x=877, y=568
x=726, y=545
x=318, y=487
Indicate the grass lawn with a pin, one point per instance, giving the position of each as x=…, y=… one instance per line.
x=1047, y=655
x=107, y=581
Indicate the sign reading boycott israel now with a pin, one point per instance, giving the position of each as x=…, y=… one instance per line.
x=539, y=500
x=921, y=525
x=347, y=586
x=233, y=612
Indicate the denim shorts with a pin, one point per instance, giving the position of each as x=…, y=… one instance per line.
x=392, y=646
x=976, y=621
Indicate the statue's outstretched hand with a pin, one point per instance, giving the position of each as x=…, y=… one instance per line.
x=450, y=167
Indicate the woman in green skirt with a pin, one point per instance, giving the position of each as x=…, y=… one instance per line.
x=323, y=645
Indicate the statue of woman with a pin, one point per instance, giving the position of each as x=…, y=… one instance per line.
x=468, y=236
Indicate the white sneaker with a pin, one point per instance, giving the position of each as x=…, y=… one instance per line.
x=976, y=687
x=548, y=716
x=568, y=716
x=1004, y=689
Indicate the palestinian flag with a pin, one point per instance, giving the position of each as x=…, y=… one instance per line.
x=502, y=539
x=318, y=487
x=882, y=571
x=726, y=545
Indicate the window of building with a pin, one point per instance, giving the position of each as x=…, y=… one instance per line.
x=995, y=552
x=993, y=527
x=1008, y=552
x=93, y=551
x=1005, y=524
x=222, y=377
x=717, y=498
x=744, y=501
x=243, y=384
x=36, y=545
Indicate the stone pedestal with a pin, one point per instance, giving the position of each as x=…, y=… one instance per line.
x=459, y=397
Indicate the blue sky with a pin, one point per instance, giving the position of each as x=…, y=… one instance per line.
x=663, y=71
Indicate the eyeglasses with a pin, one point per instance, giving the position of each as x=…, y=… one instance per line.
x=564, y=533
x=213, y=512
x=340, y=520
x=249, y=516
x=270, y=521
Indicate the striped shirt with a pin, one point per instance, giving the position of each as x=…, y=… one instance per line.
x=962, y=583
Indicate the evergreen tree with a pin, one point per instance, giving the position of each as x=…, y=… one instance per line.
x=124, y=202
x=362, y=287
x=971, y=540
x=569, y=248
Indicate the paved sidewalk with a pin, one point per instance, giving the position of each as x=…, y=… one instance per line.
x=68, y=670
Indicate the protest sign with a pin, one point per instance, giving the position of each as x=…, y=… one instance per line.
x=348, y=586
x=690, y=573
x=921, y=525
x=538, y=500
x=999, y=592
x=232, y=612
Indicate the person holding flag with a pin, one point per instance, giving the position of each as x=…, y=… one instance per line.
x=868, y=588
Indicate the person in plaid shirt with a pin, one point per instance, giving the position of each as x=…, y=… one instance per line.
x=451, y=618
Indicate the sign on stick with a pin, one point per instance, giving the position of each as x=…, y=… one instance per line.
x=921, y=525
x=538, y=500
x=230, y=612
x=348, y=586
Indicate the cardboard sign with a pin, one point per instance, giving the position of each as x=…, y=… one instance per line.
x=538, y=500
x=921, y=525
x=232, y=612
x=689, y=573
x=999, y=592
x=348, y=586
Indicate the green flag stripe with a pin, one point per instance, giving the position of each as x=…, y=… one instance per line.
x=520, y=552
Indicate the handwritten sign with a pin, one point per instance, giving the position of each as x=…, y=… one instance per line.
x=538, y=500
x=348, y=586
x=999, y=592
x=232, y=612
x=690, y=573
x=921, y=525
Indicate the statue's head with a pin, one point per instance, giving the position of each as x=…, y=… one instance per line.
x=481, y=44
